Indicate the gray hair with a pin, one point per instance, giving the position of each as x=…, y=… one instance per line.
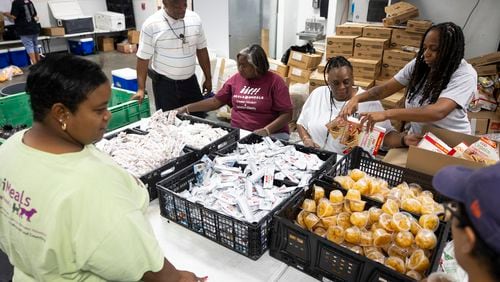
x=257, y=57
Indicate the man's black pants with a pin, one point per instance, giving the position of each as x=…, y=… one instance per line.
x=170, y=94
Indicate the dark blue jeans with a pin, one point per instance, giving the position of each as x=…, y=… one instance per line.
x=171, y=94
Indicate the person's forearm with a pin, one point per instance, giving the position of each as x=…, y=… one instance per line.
x=204, y=61
x=303, y=132
x=422, y=114
x=373, y=94
x=167, y=273
x=280, y=122
x=206, y=105
x=142, y=73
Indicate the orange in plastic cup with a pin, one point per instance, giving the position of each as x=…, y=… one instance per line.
x=390, y=206
x=335, y=234
x=384, y=221
x=329, y=221
x=353, y=194
x=376, y=256
x=353, y=235
x=415, y=275
x=412, y=205
x=400, y=222
x=309, y=205
x=336, y=196
x=359, y=219
x=418, y=261
x=300, y=218
x=426, y=239
x=356, y=174
x=325, y=208
x=381, y=237
x=396, y=263
x=318, y=193
x=310, y=220
x=343, y=220
x=404, y=239
x=374, y=214
x=429, y=221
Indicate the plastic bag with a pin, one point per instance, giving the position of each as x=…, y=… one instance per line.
x=8, y=72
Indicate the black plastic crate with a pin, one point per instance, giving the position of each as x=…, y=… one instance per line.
x=326, y=260
x=328, y=157
x=248, y=239
x=394, y=175
x=171, y=166
x=233, y=135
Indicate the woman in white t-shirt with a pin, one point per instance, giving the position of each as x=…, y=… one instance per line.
x=440, y=84
x=326, y=102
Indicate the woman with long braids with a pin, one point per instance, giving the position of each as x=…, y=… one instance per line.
x=440, y=84
x=326, y=102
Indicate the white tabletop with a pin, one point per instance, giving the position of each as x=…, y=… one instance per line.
x=189, y=251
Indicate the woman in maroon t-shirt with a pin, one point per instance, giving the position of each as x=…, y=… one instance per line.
x=259, y=99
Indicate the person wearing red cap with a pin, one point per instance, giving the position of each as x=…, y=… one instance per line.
x=476, y=218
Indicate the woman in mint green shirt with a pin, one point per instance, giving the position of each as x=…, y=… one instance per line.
x=68, y=212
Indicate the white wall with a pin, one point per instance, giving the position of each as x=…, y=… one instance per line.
x=140, y=15
x=214, y=15
x=287, y=25
x=482, y=33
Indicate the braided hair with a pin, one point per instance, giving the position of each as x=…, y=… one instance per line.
x=432, y=81
x=334, y=62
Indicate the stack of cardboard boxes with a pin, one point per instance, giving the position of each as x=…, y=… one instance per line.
x=399, y=13
x=301, y=65
x=130, y=46
x=486, y=121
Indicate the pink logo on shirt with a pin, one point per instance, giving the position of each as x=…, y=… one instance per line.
x=20, y=201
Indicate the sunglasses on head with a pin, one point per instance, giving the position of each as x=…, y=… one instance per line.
x=453, y=209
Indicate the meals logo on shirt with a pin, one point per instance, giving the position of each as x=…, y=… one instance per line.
x=17, y=200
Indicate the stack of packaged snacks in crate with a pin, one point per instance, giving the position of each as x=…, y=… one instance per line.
x=231, y=199
x=145, y=158
x=300, y=163
x=200, y=134
x=165, y=143
x=352, y=237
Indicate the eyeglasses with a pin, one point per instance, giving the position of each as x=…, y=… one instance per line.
x=452, y=209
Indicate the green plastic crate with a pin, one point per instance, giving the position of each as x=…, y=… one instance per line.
x=16, y=110
x=125, y=111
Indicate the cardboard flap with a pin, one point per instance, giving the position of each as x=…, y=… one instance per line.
x=450, y=138
x=397, y=156
x=65, y=9
x=430, y=163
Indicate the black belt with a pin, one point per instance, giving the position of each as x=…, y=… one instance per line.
x=157, y=76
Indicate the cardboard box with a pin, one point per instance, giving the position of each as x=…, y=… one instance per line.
x=364, y=83
x=363, y=68
x=399, y=13
x=401, y=37
x=485, y=59
x=418, y=159
x=347, y=40
x=53, y=31
x=126, y=48
x=397, y=57
x=350, y=29
x=304, y=60
x=133, y=36
x=395, y=101
x=367, y=43
x=105, y=44
x=370, y=48
x=485, y=70
x=418, y=26
x=299, y=75
x=377, y=32
x=388, y=71
x=278, y=67
x=321, y=67
x=316, y=80
x=331, y=54
x=483, y=122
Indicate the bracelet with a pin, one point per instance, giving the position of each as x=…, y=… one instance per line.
x=267, y=131
x=403, y=144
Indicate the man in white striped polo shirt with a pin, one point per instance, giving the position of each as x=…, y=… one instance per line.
x=172, y=38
